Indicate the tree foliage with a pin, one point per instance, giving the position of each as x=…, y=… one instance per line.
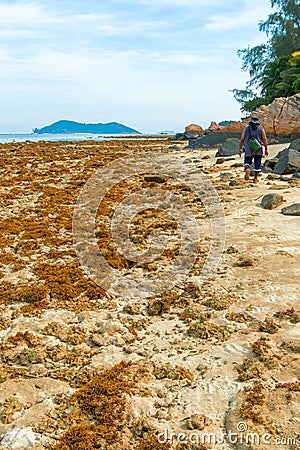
x=274, y=67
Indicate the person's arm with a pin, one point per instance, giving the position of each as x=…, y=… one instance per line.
x=265, y=140
x=242, y=142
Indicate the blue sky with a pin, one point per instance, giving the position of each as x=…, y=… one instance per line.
x=150, y=64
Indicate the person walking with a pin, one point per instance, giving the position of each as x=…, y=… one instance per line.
x=252, y=141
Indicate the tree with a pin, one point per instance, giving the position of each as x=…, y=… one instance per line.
x=274, y=67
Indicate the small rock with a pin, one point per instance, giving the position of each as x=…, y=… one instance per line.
x=197, y=422
x=271, y=201
x=205, y=157
x=233, y=183
x=237, y=164
x=133, y=309
x=245, y=261
x=110, y=327
x=283, y=178
x=269, y=326
x=232, y=249
x=158, y=307
x=220, y=160
x=273, y=176
x=291, y=210
x=226, y=175
x=155, y=178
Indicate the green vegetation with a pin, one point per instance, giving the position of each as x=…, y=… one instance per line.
x=224, y=123
x=69, y=126
x=274, y=67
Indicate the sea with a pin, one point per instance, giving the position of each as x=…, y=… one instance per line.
x=75, y=137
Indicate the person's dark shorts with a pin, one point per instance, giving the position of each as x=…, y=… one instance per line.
x=257, y=162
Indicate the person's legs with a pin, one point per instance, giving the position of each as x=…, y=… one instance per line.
x=257, y=167
x=247, y=165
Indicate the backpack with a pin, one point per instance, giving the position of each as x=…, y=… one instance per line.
x=254, y=144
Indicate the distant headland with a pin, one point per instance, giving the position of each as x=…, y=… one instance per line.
x=69, y=127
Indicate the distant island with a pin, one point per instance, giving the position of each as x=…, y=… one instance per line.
x=69, y=127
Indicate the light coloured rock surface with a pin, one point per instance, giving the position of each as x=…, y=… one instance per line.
x=282, y=116
x=195, y=360
x=19, y=438
x=193, y=128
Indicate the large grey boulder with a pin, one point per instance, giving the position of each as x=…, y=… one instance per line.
x=288, y=162
x=291, y=210
x=295, y=145
x=269, y=164
x=229, y=148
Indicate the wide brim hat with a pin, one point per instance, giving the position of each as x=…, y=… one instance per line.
x=254, y=120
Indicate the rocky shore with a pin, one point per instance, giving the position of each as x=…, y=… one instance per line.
x=215, y=366
x=281, y=120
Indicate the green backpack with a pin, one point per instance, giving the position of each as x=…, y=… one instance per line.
x=254, y=144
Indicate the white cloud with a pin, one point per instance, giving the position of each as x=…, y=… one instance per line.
x=24, y=13
x=251, y=15
x=88, y=66
x=29, y=17
x=180, y=3
x=17, y=34
x=182, y=58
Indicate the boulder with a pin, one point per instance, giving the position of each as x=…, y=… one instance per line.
x=214, y=127
x=291, y=210
x=296, y=174
x=269, y=164
x=281, y=117
x=281, y=120
x=229, y=148
x=295, y=145
x=236, y=127
x=192, y=134
x=288, y=162
x=180, y=137
x=193, y=131
x=271, y=201
x=194, y=128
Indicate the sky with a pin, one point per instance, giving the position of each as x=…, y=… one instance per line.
x=153, y=65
